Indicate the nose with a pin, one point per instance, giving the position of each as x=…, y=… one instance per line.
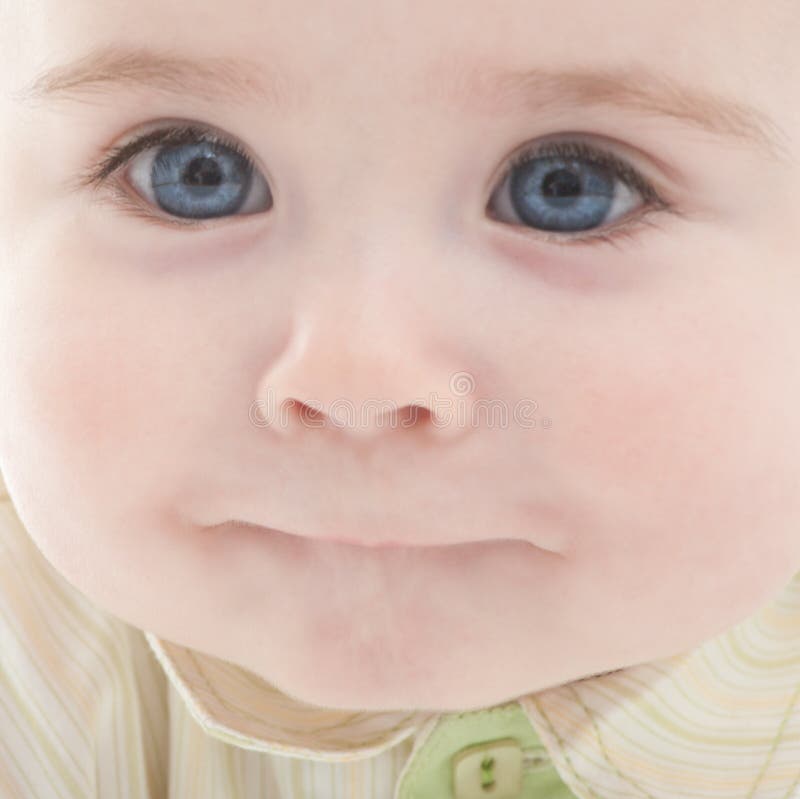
x=365, y=373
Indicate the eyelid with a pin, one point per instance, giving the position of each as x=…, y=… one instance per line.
x=612, y=235
x=135, y=206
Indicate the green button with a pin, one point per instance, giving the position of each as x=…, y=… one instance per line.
x=479, y=753
x=491, y=769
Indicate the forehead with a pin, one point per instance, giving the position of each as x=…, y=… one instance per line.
x=362, y=38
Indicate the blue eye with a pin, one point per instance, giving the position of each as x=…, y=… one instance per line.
x=204, y=180
x=569, y=187
x=188, y=173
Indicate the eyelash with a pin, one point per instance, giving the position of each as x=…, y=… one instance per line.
x=117, y=157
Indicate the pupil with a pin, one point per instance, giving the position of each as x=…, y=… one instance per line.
x=561, y=183
x=203, y=172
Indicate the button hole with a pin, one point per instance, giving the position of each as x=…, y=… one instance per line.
x=487, y=776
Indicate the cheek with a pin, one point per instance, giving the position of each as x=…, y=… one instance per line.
x=89, y=378
x=94, y=444
x=687, y=454
x=66, y=420
x=88, y=396
x=80, y=392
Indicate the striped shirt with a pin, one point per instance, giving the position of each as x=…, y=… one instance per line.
x=94, y=708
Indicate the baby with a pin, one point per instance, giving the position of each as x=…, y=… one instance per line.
x=398, y=399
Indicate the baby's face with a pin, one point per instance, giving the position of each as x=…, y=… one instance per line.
x=595, y=367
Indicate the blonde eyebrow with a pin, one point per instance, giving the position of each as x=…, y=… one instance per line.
x=473, y=90
x=638, y=89
x=114, y=68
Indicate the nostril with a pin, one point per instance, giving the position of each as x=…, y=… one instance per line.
x=367, y=419
x=308, y=414
x=412, y=415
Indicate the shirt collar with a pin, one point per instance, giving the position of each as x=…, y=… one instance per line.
x=237, y=706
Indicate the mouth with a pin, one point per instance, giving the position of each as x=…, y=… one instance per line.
x=330, y=539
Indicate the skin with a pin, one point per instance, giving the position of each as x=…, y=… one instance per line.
x=653, y=505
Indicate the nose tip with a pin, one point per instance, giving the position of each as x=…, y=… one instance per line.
x=366, y=390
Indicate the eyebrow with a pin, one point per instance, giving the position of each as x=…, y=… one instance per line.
x=470, y=89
